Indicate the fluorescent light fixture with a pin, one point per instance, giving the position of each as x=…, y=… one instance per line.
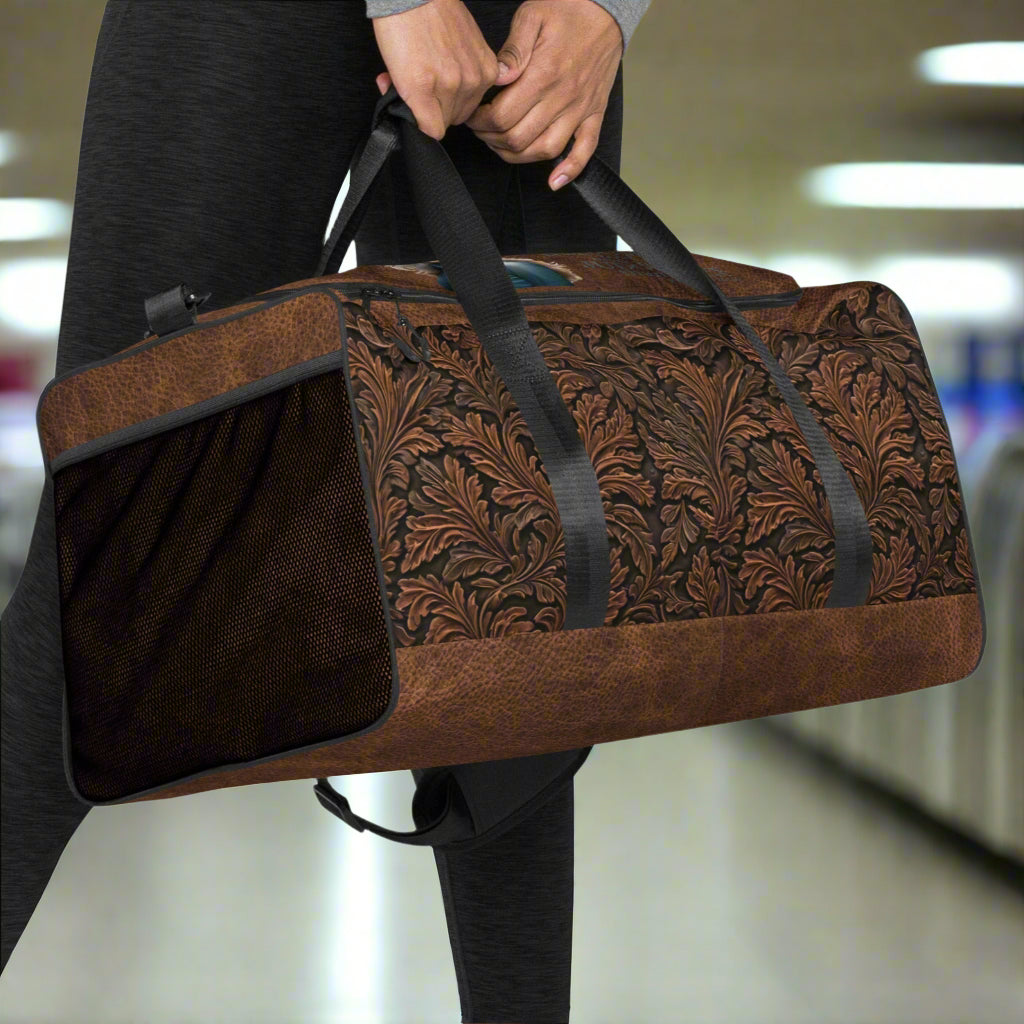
x=32, y=295
x=731, y=255
x=19, y=445
x=24, y=219
x=973, y=64
x=810, y=269
x=968, y=287
x=10, y=147
x=930, y=186
x=353, y=966
x=979, y=289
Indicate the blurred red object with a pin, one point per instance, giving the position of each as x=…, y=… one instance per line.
x=17, y=373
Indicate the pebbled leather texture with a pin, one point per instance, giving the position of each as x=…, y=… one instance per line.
x=160, y=377
x=535, y=693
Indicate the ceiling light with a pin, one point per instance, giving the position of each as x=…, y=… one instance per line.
x=32, y=295
x=25, y=219
x=810, y=269
x=919, y=185
x=19, y=443
x=9, y=147
x=973, y=287
x=974, y=64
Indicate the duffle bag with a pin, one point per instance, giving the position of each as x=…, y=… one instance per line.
x=475, y=515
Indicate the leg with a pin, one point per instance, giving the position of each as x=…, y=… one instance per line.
x=215, y=140
x=509, y=911
x=236, y=195
x=508, y=904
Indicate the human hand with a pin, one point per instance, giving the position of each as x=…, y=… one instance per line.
x=438, y=61
x=563, y=56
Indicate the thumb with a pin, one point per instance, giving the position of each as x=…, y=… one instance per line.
x=515, y=55
x=508, y=70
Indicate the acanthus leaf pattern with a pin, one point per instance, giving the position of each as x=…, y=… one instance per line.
x=712, y=500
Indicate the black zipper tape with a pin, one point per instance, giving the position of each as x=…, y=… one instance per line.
x=537, y=296
x=543, y=296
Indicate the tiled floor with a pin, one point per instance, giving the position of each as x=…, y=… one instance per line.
x=722, y=877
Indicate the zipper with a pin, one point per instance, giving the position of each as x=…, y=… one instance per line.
x=377, y=292
x=537, y=296
x=543, y=296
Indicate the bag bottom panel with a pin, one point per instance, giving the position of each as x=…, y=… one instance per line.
x=540, y=692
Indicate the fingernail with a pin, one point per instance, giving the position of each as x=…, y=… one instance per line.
x=559, y=181
x=502, y=68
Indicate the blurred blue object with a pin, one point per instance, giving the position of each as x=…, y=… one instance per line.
x=983, y=410
x=524, y=274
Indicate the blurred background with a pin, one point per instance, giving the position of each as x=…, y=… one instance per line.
x=854, y=864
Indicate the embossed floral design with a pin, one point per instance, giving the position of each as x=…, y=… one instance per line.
x=713, y=503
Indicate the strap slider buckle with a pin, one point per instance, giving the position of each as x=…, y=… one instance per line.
x=173, y=309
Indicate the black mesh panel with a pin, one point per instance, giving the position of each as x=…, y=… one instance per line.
x=219, y=593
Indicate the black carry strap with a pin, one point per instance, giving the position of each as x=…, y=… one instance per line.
x=460, y=807
x=450, y=220
x=471, y=260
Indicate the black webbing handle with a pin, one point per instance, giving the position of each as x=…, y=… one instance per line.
x=463, y=245
x=461, y=807
x=437, y=184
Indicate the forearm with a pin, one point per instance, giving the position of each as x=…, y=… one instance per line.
x=627, y=13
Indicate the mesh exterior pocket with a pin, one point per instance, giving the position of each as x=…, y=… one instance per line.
x=219, y=593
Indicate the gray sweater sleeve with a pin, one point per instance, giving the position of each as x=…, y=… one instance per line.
x=626, y=12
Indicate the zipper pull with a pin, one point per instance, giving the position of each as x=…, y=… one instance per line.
x=424, y=356
x=387, y=293
x=370, y=293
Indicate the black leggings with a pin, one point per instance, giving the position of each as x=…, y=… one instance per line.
x=216, y=138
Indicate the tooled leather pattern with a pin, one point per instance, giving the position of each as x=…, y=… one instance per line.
x=713, y=503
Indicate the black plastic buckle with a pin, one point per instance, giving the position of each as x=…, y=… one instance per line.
x=173, y=309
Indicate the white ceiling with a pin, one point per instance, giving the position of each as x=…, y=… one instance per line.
x=730, y=101
x=727, y=102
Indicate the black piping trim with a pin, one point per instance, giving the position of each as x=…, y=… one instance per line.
x=331, y=361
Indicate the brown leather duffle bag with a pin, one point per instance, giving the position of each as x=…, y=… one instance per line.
x=456, y=515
